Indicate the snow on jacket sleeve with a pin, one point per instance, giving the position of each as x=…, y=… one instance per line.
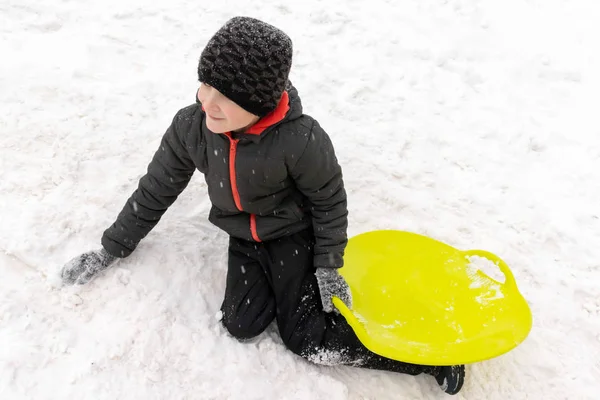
x=318, y=176
x=167, y=176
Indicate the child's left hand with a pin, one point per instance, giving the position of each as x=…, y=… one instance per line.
x=332, y=284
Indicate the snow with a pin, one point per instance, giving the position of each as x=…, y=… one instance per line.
x=473, y=122
x=491, y=289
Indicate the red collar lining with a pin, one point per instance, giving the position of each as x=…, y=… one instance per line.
x=272, y=118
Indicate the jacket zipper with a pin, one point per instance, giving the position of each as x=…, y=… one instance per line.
x=234, y=189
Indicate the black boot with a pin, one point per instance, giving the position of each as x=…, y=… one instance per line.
x=450, y=378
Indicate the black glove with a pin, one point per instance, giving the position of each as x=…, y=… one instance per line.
x=83, y=268
x=332, y=284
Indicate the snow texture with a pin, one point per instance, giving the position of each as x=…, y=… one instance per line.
x=492, y=288
x=473, y=122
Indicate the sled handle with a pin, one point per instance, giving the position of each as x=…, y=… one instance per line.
x=342, y=307
x=357, y=326
x=509, y=277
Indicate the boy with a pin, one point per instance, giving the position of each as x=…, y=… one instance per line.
x=276, y=188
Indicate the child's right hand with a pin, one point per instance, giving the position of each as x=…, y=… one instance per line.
x=332, y=284
x=83, y=268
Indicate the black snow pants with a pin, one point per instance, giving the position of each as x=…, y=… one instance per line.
x=276, y=280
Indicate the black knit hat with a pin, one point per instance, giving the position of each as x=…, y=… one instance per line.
x=249, y=62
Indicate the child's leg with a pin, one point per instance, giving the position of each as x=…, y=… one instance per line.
x=305, y=328
x=249, y=304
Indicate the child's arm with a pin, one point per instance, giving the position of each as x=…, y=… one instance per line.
x=167, y=176
x=318, y=176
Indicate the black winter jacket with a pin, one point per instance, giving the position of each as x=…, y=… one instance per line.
x=262, y=185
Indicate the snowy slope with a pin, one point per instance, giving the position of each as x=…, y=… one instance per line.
x=474, y=122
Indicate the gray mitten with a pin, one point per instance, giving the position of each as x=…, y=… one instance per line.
x=83, y=268
x=332, y=284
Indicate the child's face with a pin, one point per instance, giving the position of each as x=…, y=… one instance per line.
x=222, y=114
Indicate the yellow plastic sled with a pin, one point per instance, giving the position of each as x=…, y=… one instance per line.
x=421, y=301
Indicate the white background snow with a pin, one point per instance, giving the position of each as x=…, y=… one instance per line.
x=473, y=122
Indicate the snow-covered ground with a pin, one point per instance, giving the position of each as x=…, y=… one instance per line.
x=474, y=122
